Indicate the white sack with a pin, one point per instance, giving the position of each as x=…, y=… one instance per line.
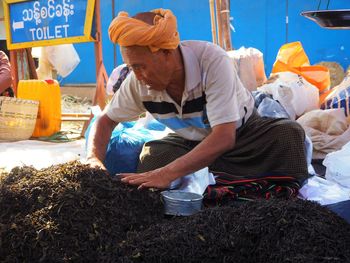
x=338, y=166
x=249, y=65
x=63, y=58
x=294, y=93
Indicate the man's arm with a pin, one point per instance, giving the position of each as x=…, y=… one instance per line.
x=5, y=72
x=99, y=137
x=220, y=140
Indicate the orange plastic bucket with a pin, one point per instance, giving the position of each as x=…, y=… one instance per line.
x=48, y=93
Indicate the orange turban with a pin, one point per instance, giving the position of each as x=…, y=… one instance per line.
x=128, y=31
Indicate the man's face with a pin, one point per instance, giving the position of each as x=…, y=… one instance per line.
x=152, y=69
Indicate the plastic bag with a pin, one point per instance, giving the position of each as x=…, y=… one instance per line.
x=309, y=150
x=44, y=70
x=63, y=58
x=323, y=191
x=339, y=97
x=124, y=147
x=249, y=65
x=295, y=94
x=196, y=182
x=268, y=107
x=292, y=57
x=127, y=140
x=338, y=166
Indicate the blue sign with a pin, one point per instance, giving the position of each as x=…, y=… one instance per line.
x=45, y=22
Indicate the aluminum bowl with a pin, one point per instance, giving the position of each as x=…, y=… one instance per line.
x=179, y=203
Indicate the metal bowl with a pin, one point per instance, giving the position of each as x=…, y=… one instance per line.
x=180, y=203
x=332, y=19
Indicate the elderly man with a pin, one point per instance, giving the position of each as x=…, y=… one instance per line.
x=193, y=89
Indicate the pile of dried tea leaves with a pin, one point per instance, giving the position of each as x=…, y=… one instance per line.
x=74, y=213
x=69, y=213
x=259, y=231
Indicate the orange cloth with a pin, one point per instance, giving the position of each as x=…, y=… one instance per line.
x=128, y=31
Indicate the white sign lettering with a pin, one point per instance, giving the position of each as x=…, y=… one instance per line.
x=38, y=13
x=47, y=32
x=17, y=25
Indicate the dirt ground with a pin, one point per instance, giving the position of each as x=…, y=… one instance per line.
x=74, y=104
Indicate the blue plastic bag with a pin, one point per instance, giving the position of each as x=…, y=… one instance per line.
x=124, y=148
x=268, y=107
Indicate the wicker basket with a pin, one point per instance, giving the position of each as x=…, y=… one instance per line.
x=17, y=118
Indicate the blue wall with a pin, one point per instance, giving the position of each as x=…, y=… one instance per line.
x=260, y=24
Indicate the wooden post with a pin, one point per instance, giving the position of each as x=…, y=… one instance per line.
x=26, y=54
x=212, y=20
x=31, y=64
x=101, y=74
x=218, y=22
x=225, y=18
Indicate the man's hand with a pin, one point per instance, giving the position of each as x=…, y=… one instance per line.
x=156, y=179
x=96, y=163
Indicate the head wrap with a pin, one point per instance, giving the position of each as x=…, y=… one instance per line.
x=128, y=31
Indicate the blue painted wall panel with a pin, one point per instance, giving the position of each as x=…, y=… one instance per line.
x=276, y=33
x=260, y=24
